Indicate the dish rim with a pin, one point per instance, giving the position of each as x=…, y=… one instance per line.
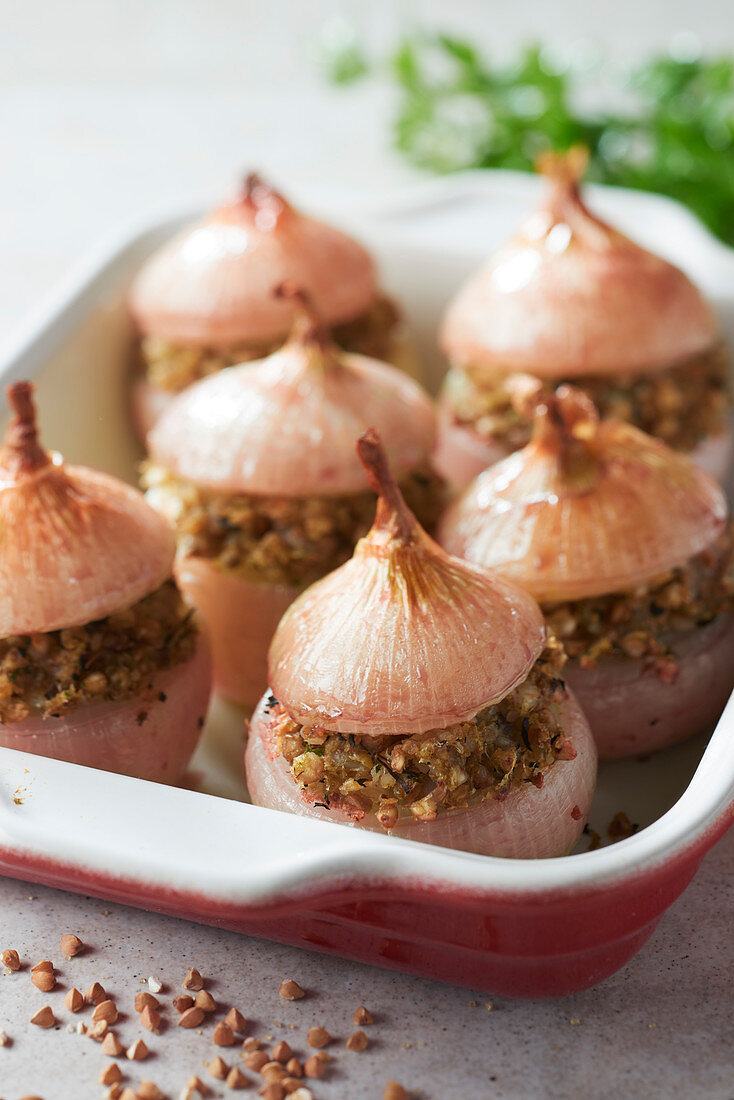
x=704, y=809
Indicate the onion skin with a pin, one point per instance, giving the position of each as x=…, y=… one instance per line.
x=461, y=454
x=530, y=823
x=211, y=284
x=571, y=296
x=714, y=454
x=586, y=508
x=631, y=711
x=402, y=641
x=76, y=545
x=147, y=405
x=241, y=617
x=149, y=402
x=286, y=425
x=111, y=735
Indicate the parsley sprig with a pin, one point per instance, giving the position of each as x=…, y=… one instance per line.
x=670, y=130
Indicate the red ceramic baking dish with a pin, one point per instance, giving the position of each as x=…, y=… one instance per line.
x=514, y=927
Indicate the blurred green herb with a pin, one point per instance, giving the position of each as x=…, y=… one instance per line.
x=673, y=134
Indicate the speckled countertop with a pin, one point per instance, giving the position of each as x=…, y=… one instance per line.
x=661, y=1028
x=111, y=110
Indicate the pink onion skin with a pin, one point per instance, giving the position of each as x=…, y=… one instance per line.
x=78, y=545
x=241, y=617
x=461, y=454
x=530, y=823
x=212, y=284
x=148, y=402
x=75, y=545
x=571, y=296
x=569, y=517
x=715, y=453
x=402, y=642
x=286, y=426
x=109, y=736
x=147, y=405
x=632, y=711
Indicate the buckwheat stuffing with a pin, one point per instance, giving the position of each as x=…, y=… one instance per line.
x=180, y=1003
x=357, y=1042
x=281, y=1052
x=362, y=1017
x=395, y=1091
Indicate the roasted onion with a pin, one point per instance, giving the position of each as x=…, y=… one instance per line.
x=280, y=428
x=591, y=508
x=571, y=299
x=401, y=640
x=77, y=547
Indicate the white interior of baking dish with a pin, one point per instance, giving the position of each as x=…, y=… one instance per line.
x=77, y=349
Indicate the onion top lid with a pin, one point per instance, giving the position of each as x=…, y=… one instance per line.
x=75, y=545
x=402, y=638
x=587, y=508
x=210, y=285
x=572, y=296
x=286, y=425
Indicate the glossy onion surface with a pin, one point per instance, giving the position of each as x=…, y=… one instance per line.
x=241, y=617
x=585, y=508
x=570, y=296
x=212, y=283
x=286, y=425
x=631, y=710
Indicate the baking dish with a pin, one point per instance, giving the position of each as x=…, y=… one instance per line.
x=523, y=928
